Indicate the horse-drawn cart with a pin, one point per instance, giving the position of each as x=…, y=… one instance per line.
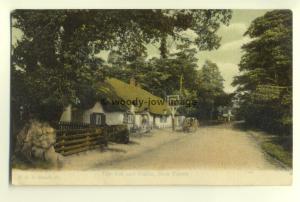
x=190, y=124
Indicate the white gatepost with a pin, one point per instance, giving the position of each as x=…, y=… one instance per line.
x=174, y=103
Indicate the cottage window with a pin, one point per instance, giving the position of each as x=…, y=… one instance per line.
x=97, y=119
x=128, y=118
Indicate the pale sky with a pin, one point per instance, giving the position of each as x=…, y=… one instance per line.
x=229, y=54
x=227, y=57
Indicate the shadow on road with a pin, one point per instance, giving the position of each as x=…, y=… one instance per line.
x=116, y=150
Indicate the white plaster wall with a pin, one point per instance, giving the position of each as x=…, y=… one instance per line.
x=157, y=122
x=138, y=120
x=151, y=120
x=179, y=120
x=114, y=118
x=132, y=109
x=97, y=108
x=66, y=115
x=167, y=124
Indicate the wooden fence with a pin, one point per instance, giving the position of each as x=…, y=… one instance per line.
x=72, y=125
x=72, y=141
x=72, y=138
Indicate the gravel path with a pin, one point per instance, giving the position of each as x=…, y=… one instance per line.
x=209, y=148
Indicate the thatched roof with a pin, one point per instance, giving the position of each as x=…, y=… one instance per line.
x=114, y=90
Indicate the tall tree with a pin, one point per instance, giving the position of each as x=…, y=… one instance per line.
x=165, y=76
x=210, y=88
x=56, y=59
x=265, y=84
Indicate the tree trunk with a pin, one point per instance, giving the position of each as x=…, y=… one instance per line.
x=173, y=123
x=212, y=110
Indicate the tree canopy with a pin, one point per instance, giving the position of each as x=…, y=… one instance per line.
x=210, y=89
x=56, y=61
x=265, y=85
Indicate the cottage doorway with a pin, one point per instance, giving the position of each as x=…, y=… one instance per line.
x=145, y=122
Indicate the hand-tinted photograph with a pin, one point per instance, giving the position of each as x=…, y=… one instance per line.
x=151, y=97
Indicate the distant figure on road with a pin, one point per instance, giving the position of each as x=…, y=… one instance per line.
x=229, y=115
x=225, y=114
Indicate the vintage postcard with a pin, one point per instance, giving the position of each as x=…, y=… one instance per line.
x=151, y=97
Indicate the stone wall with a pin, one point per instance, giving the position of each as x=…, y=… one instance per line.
x=35, y=142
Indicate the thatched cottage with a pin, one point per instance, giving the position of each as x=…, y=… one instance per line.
x=123, y=103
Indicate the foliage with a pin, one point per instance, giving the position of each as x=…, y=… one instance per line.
x=161, y=76
x=56, y=62
x=265, y=85
x=178, y=74
x=120, y=134
x=210, y=90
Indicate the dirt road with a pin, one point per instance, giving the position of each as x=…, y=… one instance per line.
x=209, y=148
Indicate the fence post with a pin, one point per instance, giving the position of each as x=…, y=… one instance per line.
x=87, y=141
x=63, y=143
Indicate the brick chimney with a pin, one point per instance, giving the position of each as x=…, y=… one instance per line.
x=132, y=81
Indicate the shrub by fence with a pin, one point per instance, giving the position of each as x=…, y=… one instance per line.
x=117, y=133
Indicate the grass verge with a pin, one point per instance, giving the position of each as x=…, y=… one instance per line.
x=19, y=163
x=278, y=152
